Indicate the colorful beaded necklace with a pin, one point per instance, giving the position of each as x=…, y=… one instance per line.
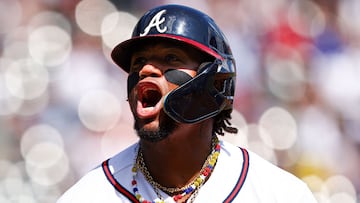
x=193, y=187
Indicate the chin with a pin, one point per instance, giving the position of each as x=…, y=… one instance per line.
x=155, y=130
x=150, y=127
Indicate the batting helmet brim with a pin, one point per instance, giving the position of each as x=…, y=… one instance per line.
x=122, y=53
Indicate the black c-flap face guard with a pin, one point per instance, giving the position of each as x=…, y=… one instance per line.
x=197, y=99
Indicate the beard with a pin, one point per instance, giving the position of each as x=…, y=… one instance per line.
x=166, y=126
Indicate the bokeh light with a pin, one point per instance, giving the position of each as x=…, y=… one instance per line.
x=342, y=197
x=339, y=184
x=49, y=45
x=286, y=76
x=37, y=134
x=9, y=103
x=50, y=18
x=47, y=164
x=26, y=79
x=42, y=147
x=334, y=189
x=349, y=16
x=35, y=156
x=23, y=198
x=306, y=18
x=16, y=44
x=99, y=110
x=117, y=27
x=257, y=144
x=278, y=128
x=316, y=184
x=91, y=13
x=13, y=180
x=34, y=106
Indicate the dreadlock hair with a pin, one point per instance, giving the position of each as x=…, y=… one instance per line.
x=222, y=123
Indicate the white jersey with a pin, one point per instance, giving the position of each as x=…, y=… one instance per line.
x=239, y=176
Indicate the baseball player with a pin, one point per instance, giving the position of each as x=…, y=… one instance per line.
x=181, y=80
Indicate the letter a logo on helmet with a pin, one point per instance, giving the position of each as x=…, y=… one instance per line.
x=156, y=21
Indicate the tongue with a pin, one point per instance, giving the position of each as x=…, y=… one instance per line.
x=145, y=111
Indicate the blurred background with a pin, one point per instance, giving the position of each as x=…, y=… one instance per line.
x=63, y=106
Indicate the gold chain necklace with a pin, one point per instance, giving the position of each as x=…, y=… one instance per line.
x=191, y=188
x=170, y=190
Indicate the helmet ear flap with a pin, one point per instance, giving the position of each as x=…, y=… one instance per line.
x=199, y=95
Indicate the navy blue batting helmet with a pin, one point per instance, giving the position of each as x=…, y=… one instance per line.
x=212, y=89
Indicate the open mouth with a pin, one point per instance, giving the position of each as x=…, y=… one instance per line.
x=148, y=94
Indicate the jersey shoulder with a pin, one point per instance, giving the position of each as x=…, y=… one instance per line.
x=94, y=185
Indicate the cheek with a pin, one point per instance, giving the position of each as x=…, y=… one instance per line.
x=132, y=80
x=171, y=87
x=192, y=73
x=132, y=99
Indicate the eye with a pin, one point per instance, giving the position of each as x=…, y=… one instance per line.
x=137, y=63
x=171, y=58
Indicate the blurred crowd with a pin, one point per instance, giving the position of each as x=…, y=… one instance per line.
x=63, y=105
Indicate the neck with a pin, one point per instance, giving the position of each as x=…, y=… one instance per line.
x=176, y=160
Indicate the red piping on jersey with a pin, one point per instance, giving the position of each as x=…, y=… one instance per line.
x=116, y=184
x=242, y=177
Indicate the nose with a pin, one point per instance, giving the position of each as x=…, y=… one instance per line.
x=150, y=70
